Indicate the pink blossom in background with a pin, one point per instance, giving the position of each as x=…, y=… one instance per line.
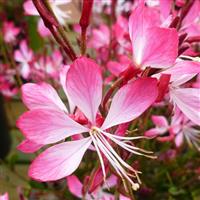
x=100, y=37
x=24, y=56
x=10, y=31
x=76, y=188
x=180, y=128
x=152, y=45
x=7, y=81
x=4, y=197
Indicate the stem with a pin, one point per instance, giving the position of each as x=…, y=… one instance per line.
x=56, y=29
x=83, y=41
x=84, y=22
x=110, y=91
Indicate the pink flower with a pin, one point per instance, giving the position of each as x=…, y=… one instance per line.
x=10, y=31
x=100, y=37
x=185, y=98
x=24, y=56
x=191, y=22
x=185, y=129
x=4, y=196
x=49, y=65
x=84, y=87
x=76, y=188
x=152, y=45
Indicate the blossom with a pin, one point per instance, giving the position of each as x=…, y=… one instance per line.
x=84, y=88
x=162, y=127
x=10, y=31
x=152, y=45
x=185, y=129
x=179, y=128
x=4, y=196
x=100, y=37
x=76, y=188
x=186, y=99
x=24, y=56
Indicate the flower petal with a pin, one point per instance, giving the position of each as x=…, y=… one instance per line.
x=179, y=139
x=27, y=146
x=4, y=196
x=59, y=161
x=188, y=101
x=48, y=126
x=84, y=86
x=75, y=186
x=160, y=48
x=159, y=121
x=152, y=46
x=153, y=132
x=131, y=101
x=36, y=96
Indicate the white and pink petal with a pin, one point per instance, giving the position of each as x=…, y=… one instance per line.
x=41, y=96
x=131, y=101
x=45, y=126
x=84, y=86
x=59, y=161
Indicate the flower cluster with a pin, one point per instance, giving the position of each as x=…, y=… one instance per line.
x=136, y=78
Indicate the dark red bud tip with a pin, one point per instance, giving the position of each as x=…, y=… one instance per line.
x=174, y=22
x=193, y=39
x=86, y=12
x=129, y=73
x=183, y=48
x=163, y=86
x=182, y=38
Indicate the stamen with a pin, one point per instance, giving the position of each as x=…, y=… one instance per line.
x=100, y=157
x=123, y=138
x=114, y=160
x=129, y=148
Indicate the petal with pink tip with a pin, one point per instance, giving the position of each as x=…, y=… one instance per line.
x=84, y=86
x=37, y=96
x=188, y=101
x=141, y=19
x=153, y=132
x=27, y=146
x=159, y=121
x=131, y=101
x=45, y=126
x=183, y=71
x=59, y=161
x=179, y=139
x=184, y=67
x=152, y=46
x=157, y=49
x=75, y=186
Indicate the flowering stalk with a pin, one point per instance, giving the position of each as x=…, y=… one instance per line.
x=51, y=23
x=84, y=22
